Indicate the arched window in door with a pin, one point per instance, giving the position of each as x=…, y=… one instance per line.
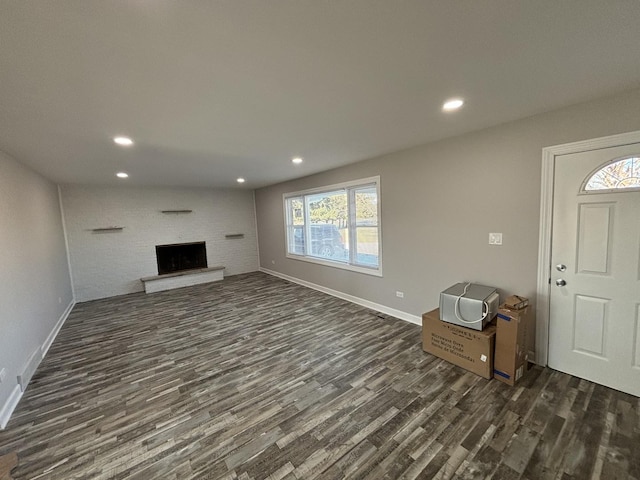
x=615, y=176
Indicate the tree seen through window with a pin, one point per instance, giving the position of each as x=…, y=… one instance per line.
x=620, y=174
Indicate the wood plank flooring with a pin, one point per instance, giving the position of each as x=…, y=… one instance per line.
x=258, y=378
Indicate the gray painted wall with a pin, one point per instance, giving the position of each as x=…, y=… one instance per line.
x=112, y=263
x=441, y=200
x=34, y=273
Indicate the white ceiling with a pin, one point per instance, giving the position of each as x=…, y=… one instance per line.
x=213, y=90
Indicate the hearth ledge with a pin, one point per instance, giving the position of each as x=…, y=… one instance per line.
x=184, y=278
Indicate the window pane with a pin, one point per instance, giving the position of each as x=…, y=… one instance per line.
x=366, y=215
x=326, y=230
x=624, y=173
x=339, y=226
x=295, y=226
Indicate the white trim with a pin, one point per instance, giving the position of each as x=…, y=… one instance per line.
x=30, y=367
x=407, y=317
x=549, y=155
x=9, y=406
x=56, y=329
x=335, y=186
x=255, y=225
x=544, y=257
x=66, y=245
x=12, y=402
x=329, y=263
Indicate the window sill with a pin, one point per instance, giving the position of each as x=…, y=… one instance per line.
x=376, y=272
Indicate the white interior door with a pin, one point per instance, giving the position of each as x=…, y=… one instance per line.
x=594, y=330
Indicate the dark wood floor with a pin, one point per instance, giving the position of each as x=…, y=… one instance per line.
x=255, y=378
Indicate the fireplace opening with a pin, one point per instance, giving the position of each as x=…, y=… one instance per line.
x=181, y=256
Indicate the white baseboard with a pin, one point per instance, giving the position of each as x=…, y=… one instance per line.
x=349, y=298
x=24, y=377
x=54, y=333
x=13, y=400
x=9, y=406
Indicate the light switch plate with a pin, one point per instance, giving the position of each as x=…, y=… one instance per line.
x=495, y=239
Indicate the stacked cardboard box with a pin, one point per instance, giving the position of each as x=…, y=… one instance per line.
x=465, y=347
x=498, y=351
x=511, y=359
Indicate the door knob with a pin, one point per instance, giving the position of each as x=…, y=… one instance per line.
x=560, y=282
x=560, y=267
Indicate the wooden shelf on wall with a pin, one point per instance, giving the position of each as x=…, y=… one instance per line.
x=176, y=211
x=234, y=235
x=107, y=229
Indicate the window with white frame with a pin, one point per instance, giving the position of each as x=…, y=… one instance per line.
x=337, y=225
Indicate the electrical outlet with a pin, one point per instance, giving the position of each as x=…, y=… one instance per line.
x=400, y=294
x=3, y=374
x=495, y=239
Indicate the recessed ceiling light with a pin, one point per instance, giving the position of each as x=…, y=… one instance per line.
x=122, y=175
x=123, y=141
x=453, y=104
x=296, y=160
x=240, y=180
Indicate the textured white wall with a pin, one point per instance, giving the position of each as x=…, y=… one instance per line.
x=35, y=287
x=112, y=263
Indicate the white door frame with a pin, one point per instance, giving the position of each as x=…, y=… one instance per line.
x=549, y=155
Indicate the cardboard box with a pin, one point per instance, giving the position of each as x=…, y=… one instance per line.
x=511, y=358
x=467, y=348
x=516, y=302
